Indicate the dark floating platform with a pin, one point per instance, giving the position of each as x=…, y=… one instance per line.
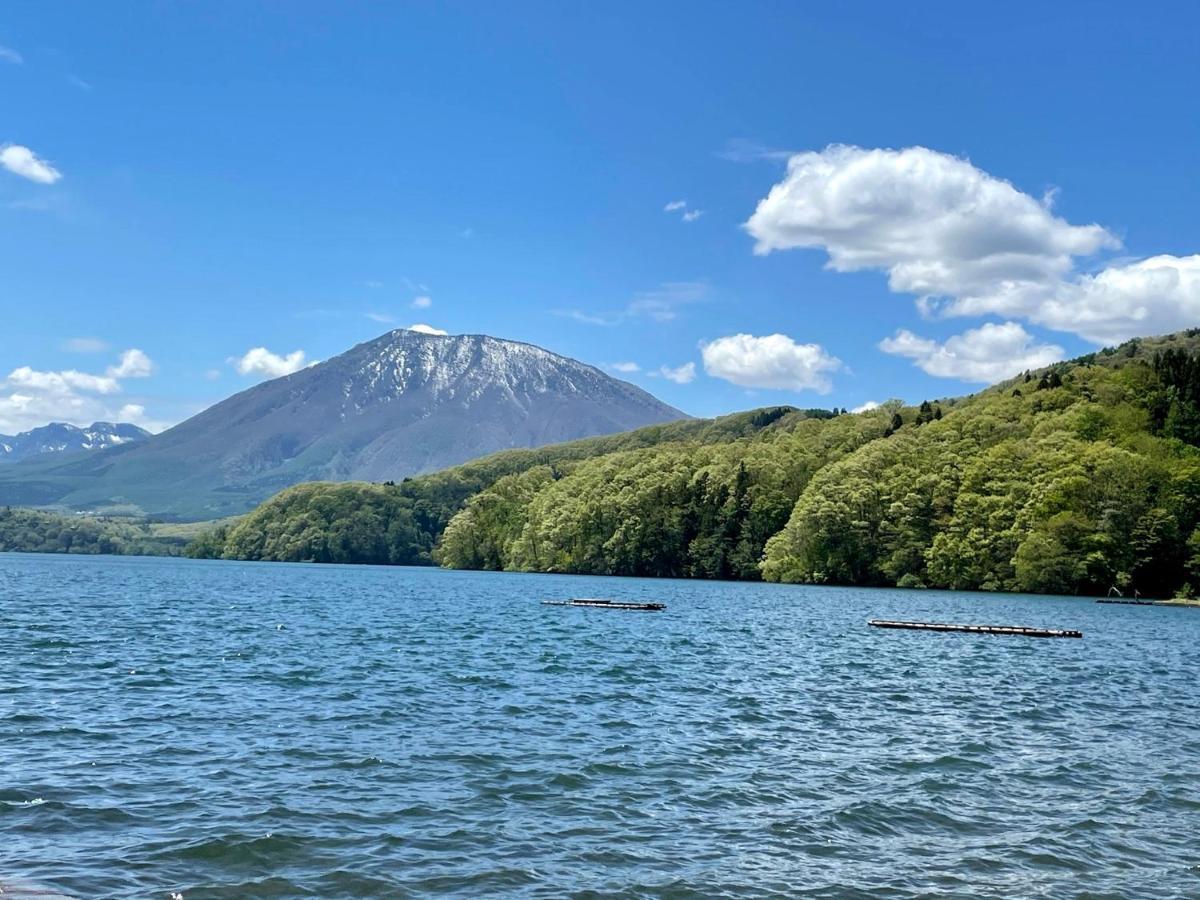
x=1019, y=630
x=1131, y=602
x=607, y=604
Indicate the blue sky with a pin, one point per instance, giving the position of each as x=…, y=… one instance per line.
x=196, y=180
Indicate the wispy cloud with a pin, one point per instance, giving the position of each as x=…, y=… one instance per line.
x=24, y=162
x=384, y=318
x=741, y=150
x=626, y=367
x=11, y=56
x=422, y=302
x=661, y=305
x=686, y=213
x=84, y=345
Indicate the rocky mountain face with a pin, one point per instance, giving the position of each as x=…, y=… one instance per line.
x=59, y=438
x=402, y=404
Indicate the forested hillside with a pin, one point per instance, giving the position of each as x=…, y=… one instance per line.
x=34, y=531
x=1071, y=480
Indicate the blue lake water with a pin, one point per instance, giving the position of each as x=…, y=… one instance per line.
x=254, y=730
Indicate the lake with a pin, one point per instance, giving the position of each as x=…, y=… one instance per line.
x=222, y=729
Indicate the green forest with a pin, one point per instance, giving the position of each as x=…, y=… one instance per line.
x=35, y=531
x=1072, y=479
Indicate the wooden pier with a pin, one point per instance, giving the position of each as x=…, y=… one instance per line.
x=1018, y=630
x=607, y=604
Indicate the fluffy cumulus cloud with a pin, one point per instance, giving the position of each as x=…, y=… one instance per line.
x=427, y=329
x=684, y=374
x=134, y=364
x=31, y=397
x=773, y=361
x=966, y=243
x=986, y=354
x=866, y=407
x=24, y=162
x=1151, y=296
x=261, y=361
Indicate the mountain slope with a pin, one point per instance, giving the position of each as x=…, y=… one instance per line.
x=399, y=405
x=59, y=438
x=1069, y=480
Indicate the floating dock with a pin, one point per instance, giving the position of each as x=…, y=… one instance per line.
x=607, y=604
x=1018, y=630
x=1130, y=602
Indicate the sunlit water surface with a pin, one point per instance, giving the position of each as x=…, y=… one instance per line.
x=221, y=729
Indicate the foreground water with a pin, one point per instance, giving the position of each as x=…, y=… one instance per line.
x=253, y=730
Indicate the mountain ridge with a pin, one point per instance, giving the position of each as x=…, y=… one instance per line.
x=391, y=407
x=60, y=438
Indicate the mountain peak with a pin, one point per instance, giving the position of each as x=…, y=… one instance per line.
x=401, y=404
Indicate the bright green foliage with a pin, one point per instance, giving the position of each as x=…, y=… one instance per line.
x=1072, y=479
x=34, y=531
x=1063, y=489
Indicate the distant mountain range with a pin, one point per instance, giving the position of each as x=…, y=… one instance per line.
x=402, y=404
x=59, y=438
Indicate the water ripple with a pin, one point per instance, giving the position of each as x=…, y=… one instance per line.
x=212, y=729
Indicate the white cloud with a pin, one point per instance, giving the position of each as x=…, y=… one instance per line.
x=426, y=329
x=9, y=55
x=1150, y=296
x=675, y=205
x=692, y=215
x=866, y=407
x=422, y=302
x=24, y=162
x=384, y=318
x=684, y=374
x=134, y=364
x=936, y=224
x=85, y=345
x=626, y=367
x=62, y=382
x=30, y=397
x=987, y=354
x=774, y=361
x=212, y=374
x=261, y=361
x=969, y=244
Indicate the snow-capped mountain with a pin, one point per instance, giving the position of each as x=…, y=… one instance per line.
x=59, y=438
x=402, y=404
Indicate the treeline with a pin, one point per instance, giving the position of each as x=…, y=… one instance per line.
x=1069, y=480
x=35, y=531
